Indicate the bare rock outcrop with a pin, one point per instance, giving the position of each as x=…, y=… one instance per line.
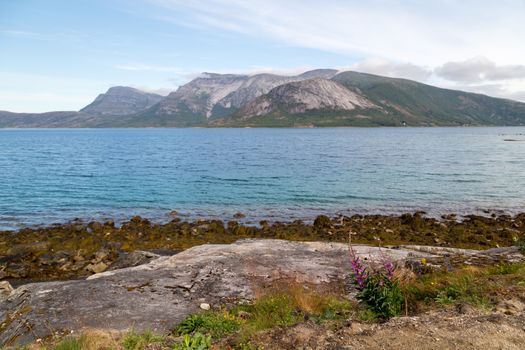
x=306, y=95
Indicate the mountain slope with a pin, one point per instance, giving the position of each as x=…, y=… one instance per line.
x=421, y=104
x=121, y=100
x=65, y=119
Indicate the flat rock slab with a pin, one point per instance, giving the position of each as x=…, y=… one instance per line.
x=161, y=293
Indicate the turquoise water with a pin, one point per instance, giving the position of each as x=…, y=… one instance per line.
x=278, y=174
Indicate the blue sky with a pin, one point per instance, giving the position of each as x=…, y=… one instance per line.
x=59, y=55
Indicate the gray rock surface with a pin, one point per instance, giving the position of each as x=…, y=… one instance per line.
x=199, y=95
x=132, y=259
x=302, y=96
x=161, y=293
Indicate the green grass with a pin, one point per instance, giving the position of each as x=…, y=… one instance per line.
x=276, y=309
x=475, y=286
x=216, y=324
x=136, y=341
x=70, y=344
x=197, y=341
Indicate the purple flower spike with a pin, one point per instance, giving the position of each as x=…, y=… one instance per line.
x=389, y=268
x=360, y=273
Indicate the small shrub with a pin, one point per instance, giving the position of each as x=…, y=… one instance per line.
x=382, y=296
x=377, y=290
x=195, y=342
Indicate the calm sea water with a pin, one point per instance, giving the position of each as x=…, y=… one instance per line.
x=56, y=175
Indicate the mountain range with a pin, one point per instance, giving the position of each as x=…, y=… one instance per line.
x=322, y=97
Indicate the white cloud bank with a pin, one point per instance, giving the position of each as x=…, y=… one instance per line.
x=424, y=32
x=466, y=44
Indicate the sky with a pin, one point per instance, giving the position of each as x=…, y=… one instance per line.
x=60, y=54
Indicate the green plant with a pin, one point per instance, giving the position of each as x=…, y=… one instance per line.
x=443, y=298
x=505, y=268
x=382, y=296
x=366, y=315
x=69, y=344
x=135, y=341
x=377, y=290
x=333, y=309
x=196, y=342
x=190, y=324
x=274, y=310
x=217, y=324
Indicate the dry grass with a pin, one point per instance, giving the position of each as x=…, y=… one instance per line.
x=306, y=298
x=96, y=339
x=404, y=276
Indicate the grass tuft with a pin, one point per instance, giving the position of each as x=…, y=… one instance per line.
x=136, y=341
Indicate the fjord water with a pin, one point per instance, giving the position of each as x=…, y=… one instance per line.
x=55, y=175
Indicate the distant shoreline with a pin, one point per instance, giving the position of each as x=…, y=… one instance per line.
x=268, y=127
x=251, y=219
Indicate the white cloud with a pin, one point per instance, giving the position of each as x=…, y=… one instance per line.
x=414, y=39
x=267, y=69
x=161, y=91
x=481, y=75
x=427, y=33
x=479, y=69
x=149, y=68
x=388, y=68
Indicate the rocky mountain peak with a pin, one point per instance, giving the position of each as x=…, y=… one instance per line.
x=122, y=100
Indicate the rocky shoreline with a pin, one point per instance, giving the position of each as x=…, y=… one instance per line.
x=79, y=249
x=149, y=276
x=158, y=295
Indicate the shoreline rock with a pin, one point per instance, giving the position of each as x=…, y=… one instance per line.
x=79, y=249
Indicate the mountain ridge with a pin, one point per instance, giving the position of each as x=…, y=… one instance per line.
x=321, y=97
